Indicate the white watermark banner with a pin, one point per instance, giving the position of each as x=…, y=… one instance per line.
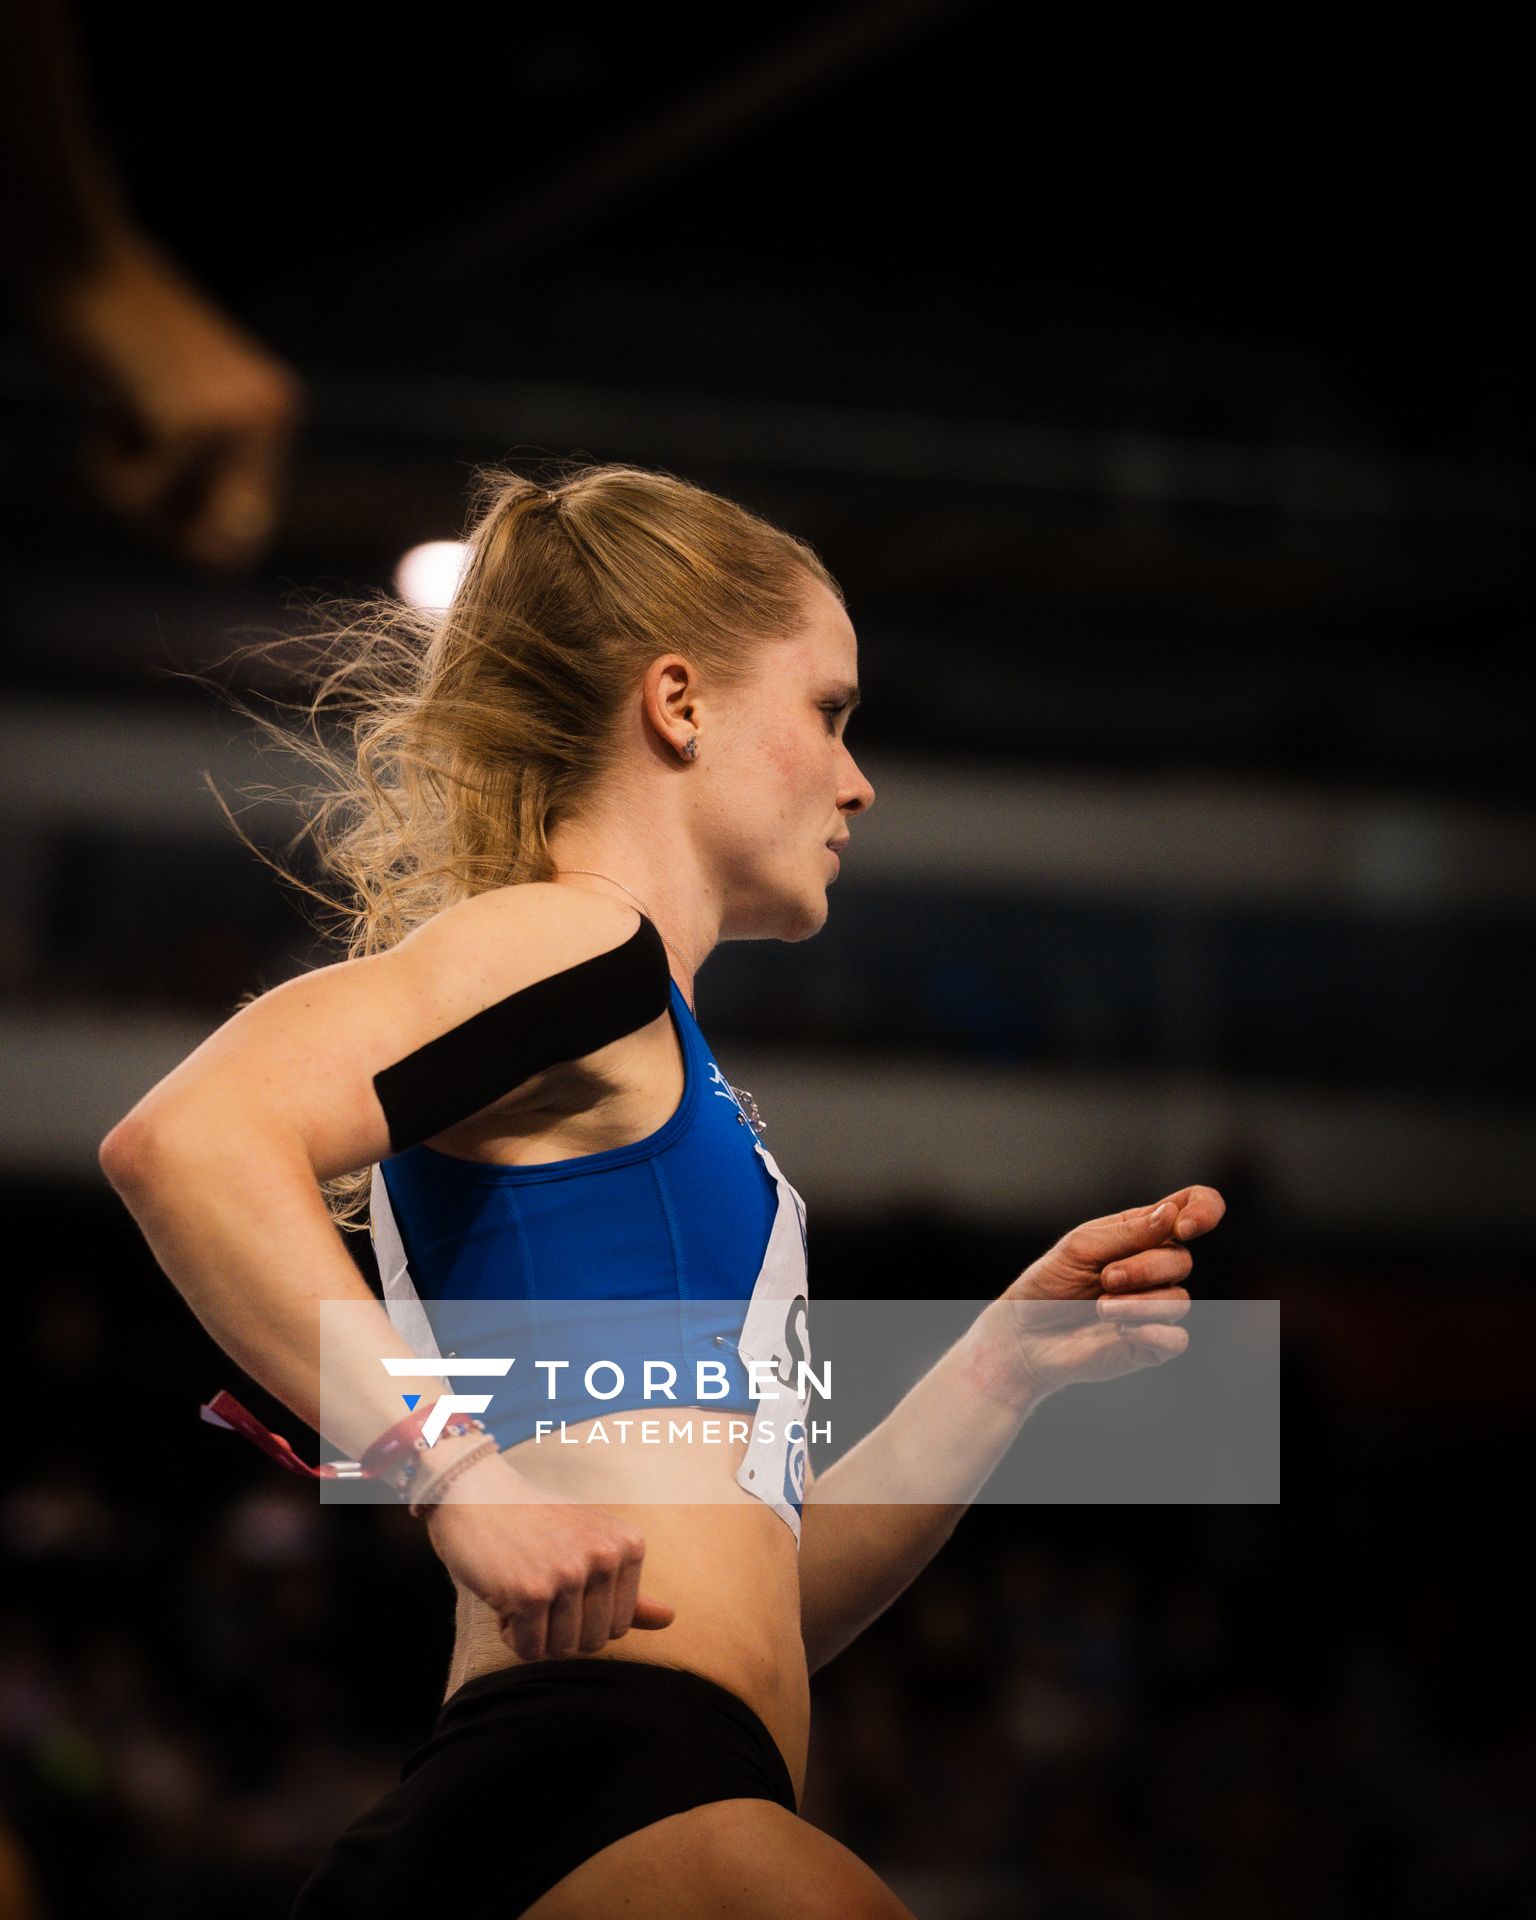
x=1008, y=1401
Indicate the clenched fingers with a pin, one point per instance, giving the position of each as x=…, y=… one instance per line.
x=1143, y=1309
x=626, y=1592
x=1158, y=1267
x=1153, y=1345
x=564, y=1632
x=1177, y=1218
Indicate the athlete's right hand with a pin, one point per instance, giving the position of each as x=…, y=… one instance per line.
x=562, y=1577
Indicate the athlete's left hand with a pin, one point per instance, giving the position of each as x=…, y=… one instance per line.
x=1106, y=1299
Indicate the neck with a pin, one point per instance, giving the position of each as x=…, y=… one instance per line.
x=669, y=888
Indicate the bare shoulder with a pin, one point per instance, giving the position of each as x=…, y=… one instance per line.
x=488, y=948
x=508, y=937
x=304, y=1056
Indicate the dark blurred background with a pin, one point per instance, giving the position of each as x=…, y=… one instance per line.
x=1161, y=395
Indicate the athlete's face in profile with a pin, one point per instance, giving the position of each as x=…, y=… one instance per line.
x=784, y=781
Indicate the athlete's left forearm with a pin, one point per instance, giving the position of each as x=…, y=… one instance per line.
x=861, y=1541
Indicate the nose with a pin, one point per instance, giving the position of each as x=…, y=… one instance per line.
x=856, y=794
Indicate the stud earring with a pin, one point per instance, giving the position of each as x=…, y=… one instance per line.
x=691, y=748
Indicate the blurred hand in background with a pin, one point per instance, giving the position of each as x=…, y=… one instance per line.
x=189, y=420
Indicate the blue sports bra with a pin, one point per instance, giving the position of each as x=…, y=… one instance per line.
x=696, y=1215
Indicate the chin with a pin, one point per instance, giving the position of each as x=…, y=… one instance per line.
x=785, y=906
x=812, y=916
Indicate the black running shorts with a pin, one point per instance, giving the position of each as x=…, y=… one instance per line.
x=533, y=1769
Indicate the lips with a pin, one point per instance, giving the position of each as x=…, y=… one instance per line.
x=836, y=846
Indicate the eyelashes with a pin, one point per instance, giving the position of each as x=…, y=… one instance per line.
x=832, y=713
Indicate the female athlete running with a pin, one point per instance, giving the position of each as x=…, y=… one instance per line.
x=623, y=743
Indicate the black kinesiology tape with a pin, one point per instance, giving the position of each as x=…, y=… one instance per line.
x=570, y=1014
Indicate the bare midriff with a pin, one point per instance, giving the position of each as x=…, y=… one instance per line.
x=717, y=1554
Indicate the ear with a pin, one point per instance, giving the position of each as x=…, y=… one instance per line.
x=669, y=695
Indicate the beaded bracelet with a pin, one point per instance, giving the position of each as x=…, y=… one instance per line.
x=405, y=1442
x=427, y=1495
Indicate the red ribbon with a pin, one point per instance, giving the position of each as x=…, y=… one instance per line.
x=224, y=1410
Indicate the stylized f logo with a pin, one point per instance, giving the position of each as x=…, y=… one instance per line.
x=448, y=1404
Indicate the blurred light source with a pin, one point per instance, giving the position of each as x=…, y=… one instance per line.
x=427, y=575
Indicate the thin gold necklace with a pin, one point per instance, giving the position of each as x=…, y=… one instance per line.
x=638, y=902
